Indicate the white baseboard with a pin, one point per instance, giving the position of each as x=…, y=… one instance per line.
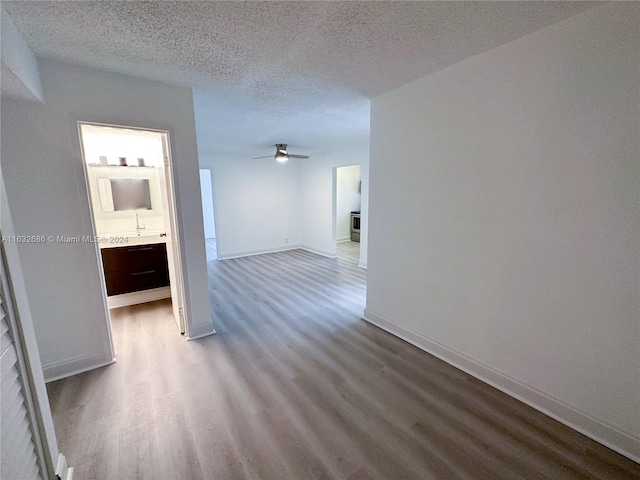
x=75, y=366
x=317, y=251
x=63, y=471
x=133, y=298
x=343, y=239
x=199, y=331
x=607, y=435
x=362, y=264
x=257, y=252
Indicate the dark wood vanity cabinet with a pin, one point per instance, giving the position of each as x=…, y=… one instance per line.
x=135, y=268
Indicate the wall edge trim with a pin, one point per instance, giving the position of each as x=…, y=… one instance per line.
x=68, y=368
x=202, y=330
x=317, y=251
x=134, y=298
x=257, y=252
x=603, y=433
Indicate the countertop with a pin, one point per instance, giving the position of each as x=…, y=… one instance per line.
x=114, y=240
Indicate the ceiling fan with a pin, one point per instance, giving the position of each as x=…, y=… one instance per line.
x=281, y=154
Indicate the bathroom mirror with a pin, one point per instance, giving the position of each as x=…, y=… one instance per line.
x=120, y=194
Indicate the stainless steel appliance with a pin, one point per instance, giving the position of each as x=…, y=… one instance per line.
x=355, y=226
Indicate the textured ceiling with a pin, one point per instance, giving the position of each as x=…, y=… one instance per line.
x=269, y=72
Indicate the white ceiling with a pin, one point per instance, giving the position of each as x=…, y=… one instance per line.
x=269, y=72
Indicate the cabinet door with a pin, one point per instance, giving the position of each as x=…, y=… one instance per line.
x=147, y=279
x=27, y=426
x=146, y=257
x=114, y=259
x=133, y=269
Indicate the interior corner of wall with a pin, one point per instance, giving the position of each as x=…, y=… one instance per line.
x=19, y=61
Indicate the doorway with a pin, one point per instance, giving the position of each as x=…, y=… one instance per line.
x=348, y=203
x=130, y=184
x=208, y=213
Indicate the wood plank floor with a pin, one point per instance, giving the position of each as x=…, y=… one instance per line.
x=295, y=385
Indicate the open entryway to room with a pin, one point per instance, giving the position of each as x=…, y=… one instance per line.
x=208, y=213
x=348, y=204
x=130, y=185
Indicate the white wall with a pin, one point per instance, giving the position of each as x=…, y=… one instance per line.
x=206, y=190
x=317, y=187
x=264, y=206
x=45, y=183
x=256, y=205
x=505, y=227
x=347, y=199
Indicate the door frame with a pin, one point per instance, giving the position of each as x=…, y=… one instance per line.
x=171, y=197
x=178, y=273
x=334, y=233
x=215, y=205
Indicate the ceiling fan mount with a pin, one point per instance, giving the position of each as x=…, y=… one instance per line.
x=282, y=155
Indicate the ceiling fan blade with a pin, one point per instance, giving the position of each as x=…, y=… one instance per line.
x=298, y=156
x=267, y=156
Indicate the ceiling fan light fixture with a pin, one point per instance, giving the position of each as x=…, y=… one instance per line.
x=281, y=153
x=281, y=156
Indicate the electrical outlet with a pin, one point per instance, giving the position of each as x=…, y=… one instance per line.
x=286, y=240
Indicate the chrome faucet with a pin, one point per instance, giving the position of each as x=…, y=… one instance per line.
x=138, y=226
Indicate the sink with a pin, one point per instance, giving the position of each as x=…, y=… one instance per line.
x=124, y=239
